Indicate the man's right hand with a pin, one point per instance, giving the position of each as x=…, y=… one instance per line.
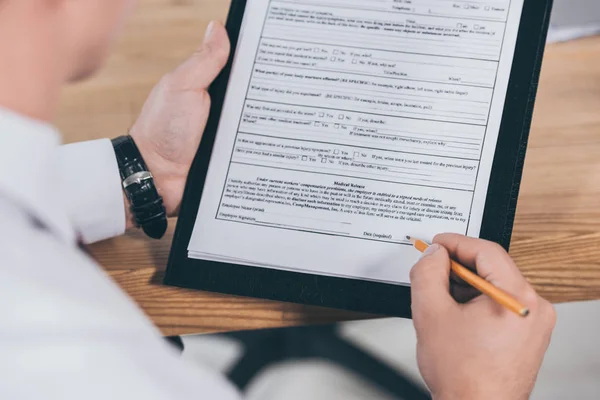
x=477, y=350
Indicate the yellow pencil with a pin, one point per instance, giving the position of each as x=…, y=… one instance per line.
x=496, y=294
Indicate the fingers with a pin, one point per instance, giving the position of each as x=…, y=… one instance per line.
x=548, y=313
x=490, y=260
x=463, y=293
x=430, y=280
x=205, y=64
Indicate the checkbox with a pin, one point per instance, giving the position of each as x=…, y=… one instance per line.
x=317, y=124
x=337, y=126
x=341, y=116
x=459, y=25
x=304, y=158
x=336, y=151
x=354, y=61
x=487, y=8
x=332, y=58
x=476, y=26
x=356, y=154
x=321, y=115
x=323, y=160
x=317, y=50
x=336, y=52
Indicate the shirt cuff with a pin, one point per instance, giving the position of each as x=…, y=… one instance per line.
x=91, y=186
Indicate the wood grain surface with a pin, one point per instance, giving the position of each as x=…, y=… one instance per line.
x=557, y=231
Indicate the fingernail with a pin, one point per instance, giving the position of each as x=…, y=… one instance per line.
x=209, y=31
x=431, y=250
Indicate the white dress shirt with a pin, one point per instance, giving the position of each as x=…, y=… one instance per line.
x=66, y=330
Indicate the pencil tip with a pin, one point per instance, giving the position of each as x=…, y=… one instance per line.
x=524, y=312
x=408, y=238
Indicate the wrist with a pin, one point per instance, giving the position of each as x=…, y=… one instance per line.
x=143, y=205
x=169, y=177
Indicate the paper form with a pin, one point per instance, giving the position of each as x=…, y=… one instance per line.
x=349, y=124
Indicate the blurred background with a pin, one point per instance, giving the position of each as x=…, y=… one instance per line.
x=576, y=13
x=161, y=35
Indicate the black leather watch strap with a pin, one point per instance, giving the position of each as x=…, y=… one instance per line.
x=138, y=183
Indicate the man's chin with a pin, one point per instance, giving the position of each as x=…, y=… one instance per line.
x=89, y=65
x=84, y=72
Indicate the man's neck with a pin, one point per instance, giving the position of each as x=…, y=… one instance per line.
x=30, y=70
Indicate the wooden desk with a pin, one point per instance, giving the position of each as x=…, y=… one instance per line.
x=557, y=232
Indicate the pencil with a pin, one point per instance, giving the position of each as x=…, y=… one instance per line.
x=496, y=294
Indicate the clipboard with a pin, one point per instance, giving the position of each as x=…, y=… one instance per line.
x=353, y=294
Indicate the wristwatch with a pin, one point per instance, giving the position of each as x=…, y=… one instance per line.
x=138, y=184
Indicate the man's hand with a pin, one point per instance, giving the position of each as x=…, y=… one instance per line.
x=477, y=350
x=173, y=118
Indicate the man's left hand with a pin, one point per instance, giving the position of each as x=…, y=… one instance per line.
x=170, y=126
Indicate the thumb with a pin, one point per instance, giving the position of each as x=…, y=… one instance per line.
x=430, y=282
x=205, y=64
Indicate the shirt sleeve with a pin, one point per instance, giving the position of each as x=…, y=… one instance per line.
x=90, y=185
x=67, y=332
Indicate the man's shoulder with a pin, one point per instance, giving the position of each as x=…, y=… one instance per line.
x=59, y=305
x=22, y=239
x=62, y=281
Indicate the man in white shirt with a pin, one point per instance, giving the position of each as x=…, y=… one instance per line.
x=67, y=332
